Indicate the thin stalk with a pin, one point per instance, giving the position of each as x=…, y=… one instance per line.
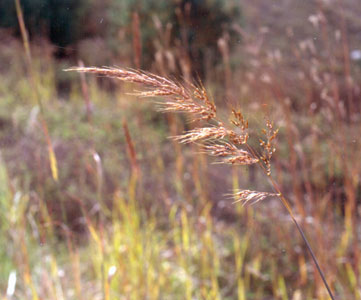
x=287, y=205
x=314, y=258
x=44, y=125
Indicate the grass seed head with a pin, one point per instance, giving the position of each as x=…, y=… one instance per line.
x=202, y=133
x=230, y=154
x=251, y=197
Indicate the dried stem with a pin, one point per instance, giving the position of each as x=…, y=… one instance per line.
x=35, y=90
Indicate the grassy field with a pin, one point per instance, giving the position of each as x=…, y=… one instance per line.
x=97, y=202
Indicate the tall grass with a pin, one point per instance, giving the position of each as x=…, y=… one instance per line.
x=35, y=91
x=144, y=218
x=168, y=230
x=217, y=139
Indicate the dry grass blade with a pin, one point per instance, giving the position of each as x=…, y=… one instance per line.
x=35, y=90
x=137, y=43
x=131, y=149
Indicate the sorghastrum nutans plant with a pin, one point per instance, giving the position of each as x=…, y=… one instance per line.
x=225, y=142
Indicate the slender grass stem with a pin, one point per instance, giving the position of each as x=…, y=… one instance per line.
x=289, y=210
x=314, y=258
x=35, y=90
x=287, y=205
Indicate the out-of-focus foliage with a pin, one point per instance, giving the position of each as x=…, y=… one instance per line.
x=69, y=22
x=60, y=21
x=162, y=227
x=192, y=24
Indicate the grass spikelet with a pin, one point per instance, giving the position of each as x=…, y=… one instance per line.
x=230, y=154
x=267, y=145
x=202, y=133
x=251, y=197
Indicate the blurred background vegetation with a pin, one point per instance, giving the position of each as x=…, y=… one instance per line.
x=132, y=214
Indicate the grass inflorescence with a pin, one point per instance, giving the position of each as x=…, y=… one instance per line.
x=194, y=100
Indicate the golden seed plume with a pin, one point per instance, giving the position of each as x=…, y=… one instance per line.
x=230, y=154
x=251, y=197
x=190, y=99
x=202, y=133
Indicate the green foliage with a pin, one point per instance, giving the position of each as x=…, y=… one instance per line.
x=60, y=21
x=67, y=22
x=6, y=214
x=120, y=17
x=192, y=21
